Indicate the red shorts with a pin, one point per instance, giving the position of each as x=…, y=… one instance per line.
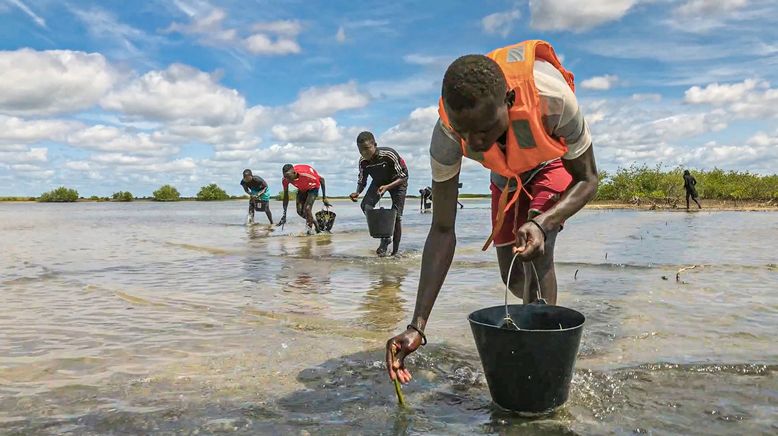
x=546, y=188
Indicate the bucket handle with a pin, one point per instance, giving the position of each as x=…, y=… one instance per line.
x=540, y=299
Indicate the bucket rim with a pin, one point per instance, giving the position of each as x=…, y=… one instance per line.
x=472, y=321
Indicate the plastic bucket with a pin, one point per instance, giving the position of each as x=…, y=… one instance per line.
x=380, y=222
x=325, y=219
x=528, y=370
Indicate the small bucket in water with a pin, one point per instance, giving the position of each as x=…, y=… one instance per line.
x=380, y=222
x=528, y=367
x=325, y=219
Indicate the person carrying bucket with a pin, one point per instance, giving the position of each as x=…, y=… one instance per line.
x=390, y=174
x=514, y=111
x=307, y=181
x=259, y=198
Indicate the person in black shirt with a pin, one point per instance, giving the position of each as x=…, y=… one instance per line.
x=426, y=197
x=259, y=198
x=389, y=174
x=690, y=184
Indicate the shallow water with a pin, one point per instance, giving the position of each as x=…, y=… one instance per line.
x=177, y=318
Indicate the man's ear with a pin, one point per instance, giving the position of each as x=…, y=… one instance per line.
x=510, y=98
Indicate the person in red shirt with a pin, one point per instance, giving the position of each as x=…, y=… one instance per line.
x=307, y=181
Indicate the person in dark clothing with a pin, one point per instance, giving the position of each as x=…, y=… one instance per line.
x=259, y=198
x=690, y=184
x=390, y=174
x=426, y=197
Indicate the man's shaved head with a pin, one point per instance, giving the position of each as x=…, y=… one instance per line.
x=470, y=79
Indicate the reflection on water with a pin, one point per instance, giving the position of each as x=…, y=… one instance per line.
x=151, y=317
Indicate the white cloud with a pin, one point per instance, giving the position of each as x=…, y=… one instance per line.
x=38, y=154
x=600, y=83
x=274, y=38
x=37, y=19
x=319, y=130
x=709, y=7
x=340, y=36
x=238, y=136
x=500, y=23
x=18, y=130
x=269, y=38
x=181, y=94
x=261, y=43
x=104, y=26
x=208, y=28
x=52, y=82
x=656, y=98
x=427, y=60
x=325, y=101
x=722, y=94
x=113, y=139
x=575, y=16
x=747, y=99
x=235, y=155
x=79, y=165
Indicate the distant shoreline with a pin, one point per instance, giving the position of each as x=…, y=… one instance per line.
x=707, y=205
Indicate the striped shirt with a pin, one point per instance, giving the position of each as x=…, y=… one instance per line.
x=385, y=167
x=307, y=179
x=562, y=118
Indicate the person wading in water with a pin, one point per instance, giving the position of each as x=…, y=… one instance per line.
x=515, y=111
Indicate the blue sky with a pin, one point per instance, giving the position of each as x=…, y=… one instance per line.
x=112, y=95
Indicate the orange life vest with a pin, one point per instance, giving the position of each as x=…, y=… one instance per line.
x=527, y=143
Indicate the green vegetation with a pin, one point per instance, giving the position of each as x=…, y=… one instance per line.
x=212, y=192
x=663, y=185
x=167, y=193
x=122, y=196
x=59, y=195
x=17, y=198
x=292, y=195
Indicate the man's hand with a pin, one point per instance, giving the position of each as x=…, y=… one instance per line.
x=354, y=196
x=382, y=189
x=282, y=221
x=530, y=242
x=326, y=203
x=397, y=349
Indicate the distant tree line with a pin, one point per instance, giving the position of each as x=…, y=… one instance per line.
x=661, y=184
x=211, y=192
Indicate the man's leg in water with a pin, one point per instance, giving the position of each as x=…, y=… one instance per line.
x=398, y=202
x=309, y=199
x=252, y=205
x=688, y=195
x=546, y=188
x=267, y=211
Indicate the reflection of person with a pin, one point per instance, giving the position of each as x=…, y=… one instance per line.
x=514, y=111
x=259, y=198
x=383, y=302
x=307, y=181
x=690, y=185
x=390, y=174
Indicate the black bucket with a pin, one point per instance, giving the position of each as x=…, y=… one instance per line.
x=380, y=222
x=325, y=219
x=528, y=370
